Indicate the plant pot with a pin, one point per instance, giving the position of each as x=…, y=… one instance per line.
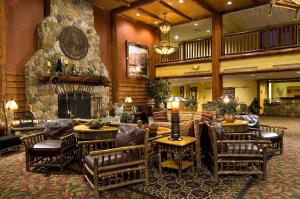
x=229, y=118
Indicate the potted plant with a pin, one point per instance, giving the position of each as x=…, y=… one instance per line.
x=159, y=90
x=227, y=107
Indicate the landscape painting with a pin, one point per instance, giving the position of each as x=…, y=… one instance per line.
x=137, y=60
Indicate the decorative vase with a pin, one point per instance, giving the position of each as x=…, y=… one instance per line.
x=229, y=118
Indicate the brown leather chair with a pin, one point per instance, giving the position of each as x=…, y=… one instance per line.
x=116, y=163
x=55, y=147
x=236, y=156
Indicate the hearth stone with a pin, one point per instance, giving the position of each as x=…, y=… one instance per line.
x=43, y=98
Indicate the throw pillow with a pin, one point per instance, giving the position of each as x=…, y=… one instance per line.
x=160, y=116
x=129, y=135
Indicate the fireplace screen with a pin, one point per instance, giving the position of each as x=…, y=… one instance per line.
x=75, y=104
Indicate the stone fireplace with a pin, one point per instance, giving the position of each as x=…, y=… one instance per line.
x=70, y=93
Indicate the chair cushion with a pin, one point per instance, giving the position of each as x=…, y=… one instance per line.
x=129, y=135
x=46, y=148
x=270, y=135
x=115, y=158
x=57, y=129
x=9, y=141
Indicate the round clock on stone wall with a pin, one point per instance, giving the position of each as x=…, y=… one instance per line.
x=73, y=43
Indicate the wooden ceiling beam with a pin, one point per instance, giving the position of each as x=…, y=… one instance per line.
x=256, y=2
x=133, y=5
x=175, y=10
x=206, y=6
x=123, y=2
x=153, y=15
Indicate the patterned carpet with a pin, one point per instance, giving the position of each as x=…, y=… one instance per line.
x=283, y=177
x=50, y=183
x=283, y=180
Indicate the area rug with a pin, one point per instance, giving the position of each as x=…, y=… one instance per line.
x=15, y=182
x=199, y=184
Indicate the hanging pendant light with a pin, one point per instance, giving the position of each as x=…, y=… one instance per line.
x=165, y=47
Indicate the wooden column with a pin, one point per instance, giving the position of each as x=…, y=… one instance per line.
x=2, y=48
x=114, y=59
x=217, y=34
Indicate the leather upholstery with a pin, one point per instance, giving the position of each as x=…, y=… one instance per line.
x=129, y=135
x=46, y=147
x=117, y=158
x=270, y=135
x=220, y=133
x=9, y=141
x=57, y=129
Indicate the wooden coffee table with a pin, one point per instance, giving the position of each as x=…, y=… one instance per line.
x=176, y=148
x=83, y=132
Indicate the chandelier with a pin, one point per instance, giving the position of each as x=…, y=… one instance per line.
x=164, y=46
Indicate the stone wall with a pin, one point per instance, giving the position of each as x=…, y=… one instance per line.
x=42, y=99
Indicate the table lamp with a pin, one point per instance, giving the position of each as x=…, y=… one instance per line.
x=128, y=100
x=12, y=106
x=175, y=119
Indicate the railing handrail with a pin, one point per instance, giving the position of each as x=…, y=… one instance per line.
x=268, y=28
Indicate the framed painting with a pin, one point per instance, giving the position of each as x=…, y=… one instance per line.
x=193, y=93
x=137, y=60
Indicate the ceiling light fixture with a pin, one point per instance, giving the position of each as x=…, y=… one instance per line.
x=229, y=2
x=176, y=37
x=165, y=47
x=165, y=27
x=207, y=31
x=195, y=24
x=138, y=14
x=155, y=22
x=180, y=1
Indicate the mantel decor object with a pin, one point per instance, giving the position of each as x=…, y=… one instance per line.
x=175, y=119
x=73, y=43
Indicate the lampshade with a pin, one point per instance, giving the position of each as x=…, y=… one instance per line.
x=226, y=99
x=128, y=99
x=165, y=47
x=165, y=28
x=11, y=105
x=175, y=99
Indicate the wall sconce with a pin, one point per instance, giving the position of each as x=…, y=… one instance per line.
x=175, y=119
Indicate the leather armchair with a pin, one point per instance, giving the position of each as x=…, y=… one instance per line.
x=241, y=155
x=56, y=147
x=115, y=163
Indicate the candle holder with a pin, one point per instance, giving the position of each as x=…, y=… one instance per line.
x=175, y=119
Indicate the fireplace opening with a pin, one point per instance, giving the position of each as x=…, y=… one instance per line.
x=75, y=104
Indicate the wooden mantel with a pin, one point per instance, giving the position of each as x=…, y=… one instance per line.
x=99, y=81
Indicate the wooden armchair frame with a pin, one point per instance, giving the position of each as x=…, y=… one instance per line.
x=131, y=166
x=241, y=155
x=276, y=144
x=67, y=153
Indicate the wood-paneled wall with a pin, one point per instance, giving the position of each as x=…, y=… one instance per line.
x=2, y=48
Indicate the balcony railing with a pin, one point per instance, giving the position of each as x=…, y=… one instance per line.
x=190, y=50
x=262, y=40
x=238, y=44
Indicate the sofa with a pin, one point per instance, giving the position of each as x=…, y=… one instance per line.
x=187, y=120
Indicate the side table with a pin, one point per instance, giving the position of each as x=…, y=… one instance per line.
x=178, y=148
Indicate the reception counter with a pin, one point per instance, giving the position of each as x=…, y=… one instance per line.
x=287, y=106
